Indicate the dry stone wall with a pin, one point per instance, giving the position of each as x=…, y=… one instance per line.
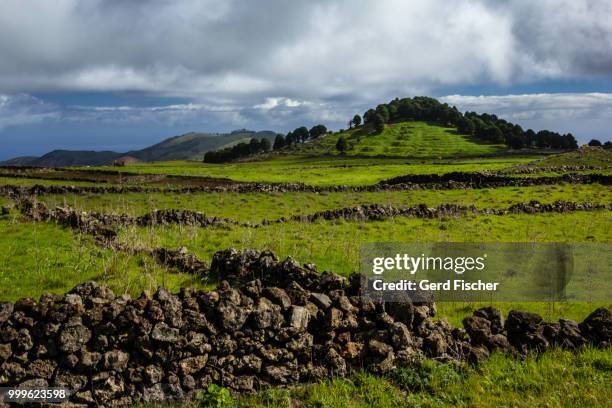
x=268, y=323
x=104, y=225
x=410, y=182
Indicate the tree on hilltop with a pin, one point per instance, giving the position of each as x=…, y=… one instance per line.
x=595, y=142
x=491, y=133
x=265, y=145
x=290, y=140
x=356, y=120
x=383, y=111
x=316, y=131
x=368, y=117
x=569, y=141
x=301, y=134
x=466, y=126
x=279, y=142
x=341, y=145
x=254, y=146
x=379, y=123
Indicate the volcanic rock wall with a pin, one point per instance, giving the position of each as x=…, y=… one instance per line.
x=92, y=221
x=402, y=183
x=269, y=323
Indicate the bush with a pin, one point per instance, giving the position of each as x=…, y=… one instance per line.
x=594, y=142
x=215, y=396
x=427, y=376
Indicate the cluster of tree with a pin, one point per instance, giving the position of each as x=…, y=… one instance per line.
x=492, y=129
x=595, y=142
x=486, y=127
x=237, y=151
x=418, y=108
x=342, y=145
x=299, y=135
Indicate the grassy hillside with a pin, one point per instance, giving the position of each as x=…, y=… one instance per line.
x=19, y=161
x=72, y=158
x=500, y=382
x=405, y=139
x=585, y=156
x=192, y=146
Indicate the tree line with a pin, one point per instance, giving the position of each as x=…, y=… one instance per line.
x=237, y=151
x=486, y=127
x=597, y=143
x=299, y=135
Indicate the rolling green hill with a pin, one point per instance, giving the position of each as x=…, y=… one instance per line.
x=190, y=146
x=403, y=139
x=58, y=158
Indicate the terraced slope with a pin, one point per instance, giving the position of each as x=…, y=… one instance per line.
x=403, y=139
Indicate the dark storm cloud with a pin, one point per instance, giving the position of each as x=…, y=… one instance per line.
x=558, y=38
x=225, y=48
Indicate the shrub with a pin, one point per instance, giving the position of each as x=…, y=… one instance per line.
x=215, y=396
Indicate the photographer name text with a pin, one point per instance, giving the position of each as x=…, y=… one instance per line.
x=425, y=285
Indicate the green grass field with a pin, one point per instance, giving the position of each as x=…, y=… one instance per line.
x=57, y=260
x=319, y=171
x=39, y=258
x=558, y=379
x=43, y=257
x=253, y=207
x=20, y=181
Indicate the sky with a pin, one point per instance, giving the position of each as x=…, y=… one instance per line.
x=118, y=75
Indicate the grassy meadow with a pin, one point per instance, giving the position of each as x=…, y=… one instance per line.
x=43, y=257
x=322, y=171
x=253, y=207
x=558, y=379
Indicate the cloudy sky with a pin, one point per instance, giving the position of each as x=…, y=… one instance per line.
x=113, y=74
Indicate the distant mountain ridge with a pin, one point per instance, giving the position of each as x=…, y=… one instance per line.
x=190, y=146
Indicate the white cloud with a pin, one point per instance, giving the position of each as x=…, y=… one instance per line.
x=547, y=106
x=271, y=103
x=23, y=109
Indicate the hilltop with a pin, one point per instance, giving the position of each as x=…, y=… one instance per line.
x=190, y=146
x=418, y=127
